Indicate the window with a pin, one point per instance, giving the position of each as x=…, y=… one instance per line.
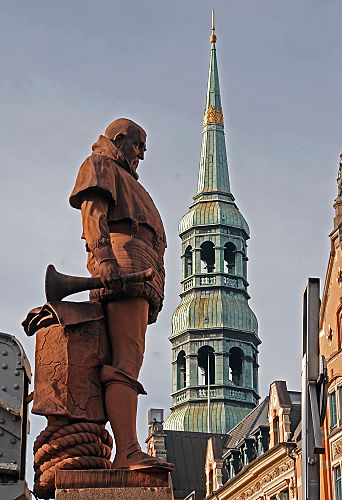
x=340, y=405
x=181, y=370
x=229, y=257
x=188, y=262
x=234, y=462
x=333, y=410
x=284, y=495
x=207, y=257
x=262, y=440
x=337, y=481
x=206, y=358
x=276, y=430
x=235, y=365
x=211, y=480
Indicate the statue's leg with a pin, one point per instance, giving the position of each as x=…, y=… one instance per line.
x=126, y=323
x=126, y=326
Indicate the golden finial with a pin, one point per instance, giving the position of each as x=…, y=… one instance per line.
x=213, y=36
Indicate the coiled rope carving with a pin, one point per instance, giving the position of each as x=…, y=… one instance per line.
x=80, y=445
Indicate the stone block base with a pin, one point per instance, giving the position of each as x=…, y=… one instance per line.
x=115, y=493
x=113, y=484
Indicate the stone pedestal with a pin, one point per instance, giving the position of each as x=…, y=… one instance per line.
x=113, y=484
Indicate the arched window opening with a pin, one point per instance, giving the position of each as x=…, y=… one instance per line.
x=207, y=257
x=206, y=359
x=229, y=257
x=276, y=430
x=181, y=370
x=235, y=365
x=188, y=261
x=211, y=481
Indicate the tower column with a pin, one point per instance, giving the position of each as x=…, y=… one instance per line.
x=183, y=266
x=239, y=262
x=219, y=367
x=219, y=259
x=174, y=376
x=225, y=369
x=197, y=260
x=192, y=374
x=255, y=377
x=248, y=371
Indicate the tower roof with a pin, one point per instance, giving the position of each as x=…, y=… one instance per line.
x=213, y=92
x=213, y=174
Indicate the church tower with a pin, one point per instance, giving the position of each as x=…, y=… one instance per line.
x=214, y=331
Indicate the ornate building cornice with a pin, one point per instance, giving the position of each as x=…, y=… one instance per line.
x=263, y=480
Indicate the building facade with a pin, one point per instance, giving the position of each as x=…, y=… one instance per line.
x=261, y=457
x=330, y=347
x=214, y=331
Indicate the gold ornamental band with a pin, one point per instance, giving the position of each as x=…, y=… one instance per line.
x=213, y=116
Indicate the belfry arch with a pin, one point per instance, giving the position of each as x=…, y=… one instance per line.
x=207, y=257
x=230, y=257
x=181, y=370
x=206, y=361
x=188, y=268
x=236, y=365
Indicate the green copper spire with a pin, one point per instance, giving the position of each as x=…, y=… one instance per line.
x=213, y=94
x=214, y=331
x=213, y=173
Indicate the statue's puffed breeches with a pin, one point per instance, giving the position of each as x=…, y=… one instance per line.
x=134, y=255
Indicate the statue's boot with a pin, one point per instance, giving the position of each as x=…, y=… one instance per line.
x=121, y=405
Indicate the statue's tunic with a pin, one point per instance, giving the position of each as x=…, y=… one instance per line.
x=118, y=213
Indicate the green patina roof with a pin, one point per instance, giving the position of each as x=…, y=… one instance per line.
x=213, y=213
x=213, y=201
x=213, y=171
x=214, y=309
x=213, y=91
x=193, y=418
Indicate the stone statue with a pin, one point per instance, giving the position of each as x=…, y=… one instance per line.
x=339, y=178
x=124, y=234
x=89, y=354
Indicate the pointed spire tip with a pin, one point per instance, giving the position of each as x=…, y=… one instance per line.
x=213, y=36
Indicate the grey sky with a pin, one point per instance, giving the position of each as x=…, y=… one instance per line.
x=69, y=68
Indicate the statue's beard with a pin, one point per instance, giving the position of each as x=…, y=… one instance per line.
x=119, y=156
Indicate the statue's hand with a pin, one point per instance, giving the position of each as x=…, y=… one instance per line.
x=109, y=272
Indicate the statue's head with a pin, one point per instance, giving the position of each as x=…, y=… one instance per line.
x=130, y=139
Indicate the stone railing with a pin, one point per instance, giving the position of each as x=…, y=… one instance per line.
x=187, y=284
x=239, y=394
x=203, y=393
x=180, y=396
